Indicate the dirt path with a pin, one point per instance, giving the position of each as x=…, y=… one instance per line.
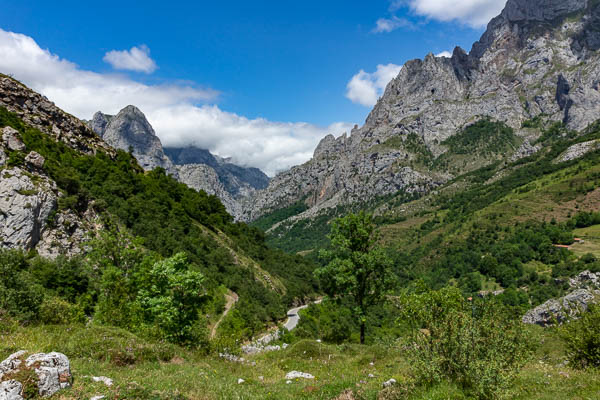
x=232, y=298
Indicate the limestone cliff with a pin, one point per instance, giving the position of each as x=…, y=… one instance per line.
x=538, y=58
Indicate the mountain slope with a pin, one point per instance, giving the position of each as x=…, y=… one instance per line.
x=65, y=187
x=538, y=58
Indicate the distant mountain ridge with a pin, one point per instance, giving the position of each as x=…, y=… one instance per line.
x=197, y=168
x=537, y=59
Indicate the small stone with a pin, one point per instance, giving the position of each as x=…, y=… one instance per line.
x=389, y=383
x=97, y=398
x=261, y=378
x=103, y=379
x=240, y=381
x=371, y=376
x=288, y=382
x=298, y=374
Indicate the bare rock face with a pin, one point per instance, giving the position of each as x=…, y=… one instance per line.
x=538, y=57
x=24, y=208
x=560, y=310
x=53, y=373
x=130, y=129
x=38, y=112
x=35, y=160
x=203, y=177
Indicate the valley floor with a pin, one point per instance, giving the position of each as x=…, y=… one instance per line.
x=143, y=370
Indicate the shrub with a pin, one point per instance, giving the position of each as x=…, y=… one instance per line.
x=170, y=302
x=477, y=345
x=582, y=338
x=20, y=295
x=57, y=311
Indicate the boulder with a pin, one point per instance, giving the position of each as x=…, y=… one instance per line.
x=11, y=139
x=560, y=310
x=11, y=390
x=35, y=159
x=52, y=369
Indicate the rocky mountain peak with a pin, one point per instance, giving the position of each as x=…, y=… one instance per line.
x=130, y=129
x=540, y=10
x=99, y=122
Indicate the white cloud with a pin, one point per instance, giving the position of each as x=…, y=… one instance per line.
x=445, y=53
x=173, y=110
x=386, y=25
x=366, y=88
x=135, y=59
x=475, y=13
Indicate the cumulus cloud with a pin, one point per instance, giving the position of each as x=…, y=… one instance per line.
x=386, y=25
x=180, y=114
x=135, y=59
x=366, y=88
x=475, y=13
x=444, y=53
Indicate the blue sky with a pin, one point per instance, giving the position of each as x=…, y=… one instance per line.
x=259, y=81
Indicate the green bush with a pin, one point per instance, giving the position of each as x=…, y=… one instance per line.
x=582, y=338
x=477, y=345
x=57, y=311
x=171, y=300
x=20, y=295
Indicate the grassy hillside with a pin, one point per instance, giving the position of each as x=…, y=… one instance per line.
x=149, y=370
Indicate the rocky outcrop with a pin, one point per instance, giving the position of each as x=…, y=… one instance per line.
x=585, y=287
x=579, y=150
x=561, y=310
x=203, y=177
x=38, y=112
x=130, y=130
x=53, y=373
x=538, y=58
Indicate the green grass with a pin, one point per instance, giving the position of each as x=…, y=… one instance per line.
x=591, y=237
x=159, y=371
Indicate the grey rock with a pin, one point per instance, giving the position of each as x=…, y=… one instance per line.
x=52, y=369
x=389, y=383
x=35, y=159
x=298, y=374
x=11, y=139
x=560, y=310
x=130, y=129
x=579, y=150
x=586, y=279
x=11, y=390
x=103, y=379
x=24, y=208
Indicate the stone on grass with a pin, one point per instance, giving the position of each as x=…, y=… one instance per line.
x=52, y=370
x=298, y=374
x=389, y=383
x=240, y=381
x=35, y=159
x=103, y=379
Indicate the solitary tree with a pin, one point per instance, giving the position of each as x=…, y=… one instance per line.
x=358, y=269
